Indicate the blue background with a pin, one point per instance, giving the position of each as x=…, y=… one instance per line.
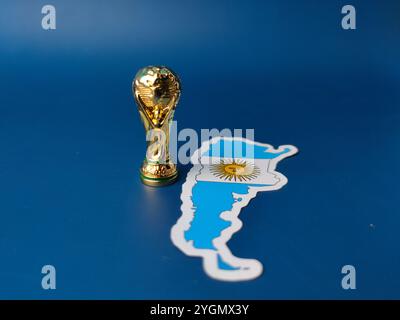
x=72, y=142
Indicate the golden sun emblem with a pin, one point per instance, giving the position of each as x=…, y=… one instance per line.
x=236, y=170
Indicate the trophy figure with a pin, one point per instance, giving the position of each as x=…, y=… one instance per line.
x=157, y=90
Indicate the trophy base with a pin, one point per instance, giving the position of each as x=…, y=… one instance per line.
x=158, y=182
x=157, y=175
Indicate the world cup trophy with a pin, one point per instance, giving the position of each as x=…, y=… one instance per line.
x=157, y=90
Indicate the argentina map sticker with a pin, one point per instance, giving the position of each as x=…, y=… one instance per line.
x=226, y=174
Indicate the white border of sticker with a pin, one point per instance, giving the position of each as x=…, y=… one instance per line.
x=249, y=268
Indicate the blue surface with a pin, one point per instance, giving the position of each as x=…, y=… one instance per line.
x=72, y=142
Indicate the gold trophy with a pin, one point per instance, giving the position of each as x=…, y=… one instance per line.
x=157, y=90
